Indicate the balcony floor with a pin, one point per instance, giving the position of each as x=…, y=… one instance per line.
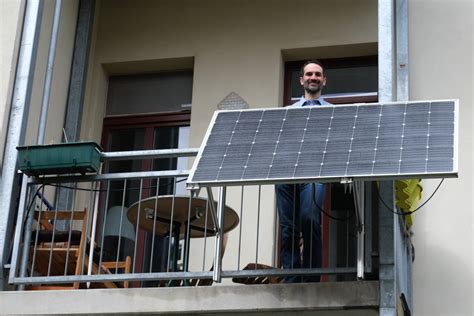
x=335, y=298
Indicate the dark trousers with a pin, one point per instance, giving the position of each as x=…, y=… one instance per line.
x=300, y=218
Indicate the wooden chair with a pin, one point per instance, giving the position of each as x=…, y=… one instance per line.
x=258, y=279
x=57, y=253
x=200, y=282
x=208, y=282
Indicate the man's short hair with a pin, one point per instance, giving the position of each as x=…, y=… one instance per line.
x=312, y=61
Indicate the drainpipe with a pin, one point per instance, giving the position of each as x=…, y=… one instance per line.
x=20, y=104
x=387, y=91
x=41, y=129
x=404, y=247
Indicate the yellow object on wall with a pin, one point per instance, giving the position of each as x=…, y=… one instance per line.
x=408, y=195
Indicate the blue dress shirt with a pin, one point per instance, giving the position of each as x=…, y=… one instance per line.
x=302, y=102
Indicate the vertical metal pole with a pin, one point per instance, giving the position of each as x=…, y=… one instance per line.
x=176, y=236
x=154, y=224
x=368, y=205
x=213, y=208
x=386, y=49
x=43, y=115
x=360, y=208
x=240, y=226
x=388, y=296
x=403, y=94
x=205, y=236
x=95, y=211
x=187, y=239
x=258, y=223
x=49, y=72
x=104, y=221
x=21, y=215
x=401, y=16
x=27, y=235
x=38, y=228
x=88, y=226
x=219, y=236
x=17, y=124
x=401, y=258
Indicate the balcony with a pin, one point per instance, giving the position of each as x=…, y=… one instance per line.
x=139, y=242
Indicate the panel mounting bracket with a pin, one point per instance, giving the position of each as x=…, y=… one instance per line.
x=346, y=180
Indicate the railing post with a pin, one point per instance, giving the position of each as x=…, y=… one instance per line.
x=219, y=236
x=15, y=255
x=359, y=194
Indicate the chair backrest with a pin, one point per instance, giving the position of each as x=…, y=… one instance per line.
x=56, y=252
x=47, y=231
x=50, y=251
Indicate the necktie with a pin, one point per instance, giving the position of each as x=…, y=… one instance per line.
x=312, y=102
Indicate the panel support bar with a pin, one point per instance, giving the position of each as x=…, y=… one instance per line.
x=219, y=236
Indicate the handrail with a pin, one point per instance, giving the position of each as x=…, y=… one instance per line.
x=147, y=154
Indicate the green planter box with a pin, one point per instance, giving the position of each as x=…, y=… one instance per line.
x=81, y=157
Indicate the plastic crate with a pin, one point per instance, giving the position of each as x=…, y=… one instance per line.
x=81, y=157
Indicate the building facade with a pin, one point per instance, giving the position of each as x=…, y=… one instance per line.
x=202, y=52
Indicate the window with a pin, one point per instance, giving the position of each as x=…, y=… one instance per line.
x=149, y=93
x=146, y=111
x=350, y=80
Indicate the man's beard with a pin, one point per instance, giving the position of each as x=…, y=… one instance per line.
x=312, y=89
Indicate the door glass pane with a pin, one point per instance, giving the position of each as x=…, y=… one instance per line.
x=125, y=140
x=116, y=221
x=165, y=138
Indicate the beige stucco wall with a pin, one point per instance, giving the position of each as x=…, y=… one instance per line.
x=441, y=67
x=236, y=46
x=11, y=17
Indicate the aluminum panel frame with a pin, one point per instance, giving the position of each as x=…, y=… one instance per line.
x=194, y=184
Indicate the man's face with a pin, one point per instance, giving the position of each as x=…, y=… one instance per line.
x=313, y=79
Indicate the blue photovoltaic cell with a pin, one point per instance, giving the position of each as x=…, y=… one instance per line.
x=327, y=142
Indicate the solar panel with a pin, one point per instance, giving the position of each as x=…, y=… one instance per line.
x=325, y=143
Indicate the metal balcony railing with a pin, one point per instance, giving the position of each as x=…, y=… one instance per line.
x=143, y=229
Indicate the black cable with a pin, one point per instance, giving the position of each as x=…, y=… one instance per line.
x=409, y=212
x=31, y=204
x=80, y=189
x=103, y=190
x=327, y=213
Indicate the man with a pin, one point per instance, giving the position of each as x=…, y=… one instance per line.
x=298, y=204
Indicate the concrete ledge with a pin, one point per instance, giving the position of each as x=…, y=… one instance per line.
x=335, y=296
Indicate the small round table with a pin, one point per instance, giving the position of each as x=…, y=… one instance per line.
x=169, y=215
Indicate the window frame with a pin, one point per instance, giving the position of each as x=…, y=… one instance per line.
x=332, y=63
x=149, y=122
